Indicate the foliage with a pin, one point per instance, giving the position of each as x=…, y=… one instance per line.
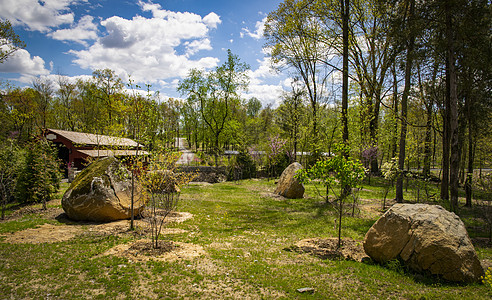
x=242, y=166
x=277, y=158
x=40, y=176
x=9, y=40
x=215, y=94
x=339, y=169
x=390, y=173
x=487, y=278
x=11, y=160
x=162, y=183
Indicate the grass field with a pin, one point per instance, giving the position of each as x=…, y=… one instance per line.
x=244, y=233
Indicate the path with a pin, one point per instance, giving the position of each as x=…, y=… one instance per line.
x=186, y=155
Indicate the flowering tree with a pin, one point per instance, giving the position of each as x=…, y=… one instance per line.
x=390, y=172
x=369, y=156
x=275, y=150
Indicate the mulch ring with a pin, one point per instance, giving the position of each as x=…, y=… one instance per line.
x=143, y=250
x=328, y=249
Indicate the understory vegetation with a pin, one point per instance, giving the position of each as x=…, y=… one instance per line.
x=247, y=236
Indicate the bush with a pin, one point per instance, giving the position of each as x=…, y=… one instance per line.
x=487, y=278
x=242, y=166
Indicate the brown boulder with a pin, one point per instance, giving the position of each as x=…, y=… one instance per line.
x=426, y=238
x=102, y=192
x=288, y=186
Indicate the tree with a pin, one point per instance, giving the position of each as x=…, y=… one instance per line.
x=409, y=7
x=66, y=104
x=44, y=89
x=290, y=115
x=11, y=160
x=338, y=169
x=162, y=183
x=372, y=55
x=9, y=41
x=292, y=36
x=109, y=88
x=214, y=92
x=40, y=176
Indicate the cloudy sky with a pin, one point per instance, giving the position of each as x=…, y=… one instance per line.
x=156, y=42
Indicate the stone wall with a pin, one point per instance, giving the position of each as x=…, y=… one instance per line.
x=206, y=173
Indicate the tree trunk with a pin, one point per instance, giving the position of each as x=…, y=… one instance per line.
x=345, y=190
x=454, y=163
x=394, y=145
x=404, y=106
x=345, y=37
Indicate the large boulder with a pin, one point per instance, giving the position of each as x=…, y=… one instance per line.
x=426, y=238
x=288, y=186
x=102, y=193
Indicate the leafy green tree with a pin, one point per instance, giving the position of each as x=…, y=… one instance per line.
x=44, y=96
x=214, y=92
x=40, y=176
x=293, y=36
x=9, y=40
x=109, y=89
x=11, y=160
x=335, y=171
x=22, y=108
x=290, y=115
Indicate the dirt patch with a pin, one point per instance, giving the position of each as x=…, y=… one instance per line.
x=328, y=249
x=49, y=233
x=49, y=213
x=142, y=251
x=46, y=233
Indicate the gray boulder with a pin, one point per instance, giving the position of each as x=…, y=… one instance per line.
x=102, y=193
x=288, y=186
x=426, y=238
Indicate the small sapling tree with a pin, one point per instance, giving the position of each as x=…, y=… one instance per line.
x=336, y=171
x=390, y=173
x=162, y=184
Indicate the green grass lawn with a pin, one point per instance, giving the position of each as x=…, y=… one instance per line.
x=244, y=232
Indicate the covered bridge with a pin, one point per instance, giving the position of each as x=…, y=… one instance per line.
x=75, y=148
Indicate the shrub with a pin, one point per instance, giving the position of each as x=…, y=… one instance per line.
x=487, y=278
x=242, y=166
x=162, y=185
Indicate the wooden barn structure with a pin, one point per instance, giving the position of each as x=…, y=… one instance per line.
x=74, y=148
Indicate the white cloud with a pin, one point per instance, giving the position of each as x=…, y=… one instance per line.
x=148, y=48
x=84, y=30
x=197, y=45
x=267, y=93
x=22, y=62
x=212, y=20
x=38, y=15
x=259, y=29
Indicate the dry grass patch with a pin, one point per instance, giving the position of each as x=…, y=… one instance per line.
x=142, y=251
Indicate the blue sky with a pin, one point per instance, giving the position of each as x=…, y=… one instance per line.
x=156, y=42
